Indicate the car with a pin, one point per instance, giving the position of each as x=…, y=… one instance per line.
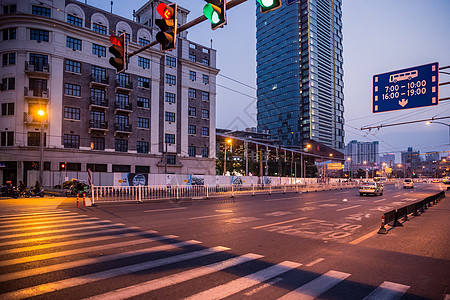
x=408, y=183
x=371, y=187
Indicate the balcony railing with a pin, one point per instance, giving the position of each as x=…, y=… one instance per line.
x=123, y=106
x=98, y=102
x=98, y=125
x=124, y=84
x=122, y=127
x=33, y=119
x=36, y=92
x=100, y=79
x=36, y=67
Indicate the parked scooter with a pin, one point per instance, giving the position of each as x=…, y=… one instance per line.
x=7, y=190
x=31, y=192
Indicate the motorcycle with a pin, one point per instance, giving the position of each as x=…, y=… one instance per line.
x=30, y=192
x=9, y=191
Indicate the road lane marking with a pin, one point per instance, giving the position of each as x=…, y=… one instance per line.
x=73, y=224
x=268, y=284
x=350, y=207
x=316, y=287
x=30, y=215
x=164, y=209
x=152, y=285
x=89, y=278
x=278, y=223
x=280, y=199
x=364, y=237
x=388, y=290
x=40, y=218
x=396, y=196
x=95, y=260
x=211, y=216
x=52, y=223
x=380, y=200
x=315, y=262
x=235, y=286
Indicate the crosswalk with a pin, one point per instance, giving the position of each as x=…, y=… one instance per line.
x=63, y=255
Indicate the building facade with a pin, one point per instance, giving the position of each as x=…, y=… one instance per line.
x=389, y=159
x=158, y=116
x=299, y=73
x=361, y=154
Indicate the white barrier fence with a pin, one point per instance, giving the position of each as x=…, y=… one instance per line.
x=105, y=194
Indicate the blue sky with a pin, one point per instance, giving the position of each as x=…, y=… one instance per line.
x=379, y=36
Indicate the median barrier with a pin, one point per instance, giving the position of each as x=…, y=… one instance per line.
x=414, y=209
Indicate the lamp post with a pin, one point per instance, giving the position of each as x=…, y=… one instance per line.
x=446, y=124
x=349, y=159
x=41, y=114
x=225, y=157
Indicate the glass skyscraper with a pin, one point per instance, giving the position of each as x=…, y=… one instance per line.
x=299, y=73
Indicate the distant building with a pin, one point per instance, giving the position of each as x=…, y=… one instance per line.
x=388, y=158
x=411, y=160
x=361, y=154
x=432, y=156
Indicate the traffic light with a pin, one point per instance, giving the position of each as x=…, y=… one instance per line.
x=167, y=37
x=216, y=12
x=119, y=49
x=63, y=166
x=269, y=5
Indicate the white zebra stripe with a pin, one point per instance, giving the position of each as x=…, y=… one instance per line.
x=31, y=215
x=388, y=291
x=22, y=223
x=73, y=223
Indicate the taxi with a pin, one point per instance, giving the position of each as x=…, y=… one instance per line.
x=371, y=188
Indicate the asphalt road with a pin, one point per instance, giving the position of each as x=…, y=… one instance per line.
x=291, y=246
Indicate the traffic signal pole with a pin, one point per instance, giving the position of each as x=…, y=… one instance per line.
x=230, y=4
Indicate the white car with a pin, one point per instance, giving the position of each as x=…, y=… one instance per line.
x=408, y=183
x=371, y=187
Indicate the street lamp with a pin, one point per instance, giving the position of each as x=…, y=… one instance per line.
x=41, y=114
x=225, y=157
x=446, y=124
x=350, y=163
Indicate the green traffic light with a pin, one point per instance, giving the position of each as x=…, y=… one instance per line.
x=211, y=13
x=266, y=3
x=269, y=5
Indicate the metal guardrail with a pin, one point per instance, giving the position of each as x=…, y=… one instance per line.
x=105, y=194
x=415, y=209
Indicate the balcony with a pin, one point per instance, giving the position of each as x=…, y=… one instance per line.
x=98, y=126
x=37, y=68
x=123, y=107
x=98, y=103
x=36, y=93
x=124, y=85
x=121, y=128
x=99, y=80
x=30, y=119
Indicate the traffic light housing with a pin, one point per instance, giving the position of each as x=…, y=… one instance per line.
x=63, y=166
x=216, y=12
x=167, y=37
x=119, y=49
x=269, y=5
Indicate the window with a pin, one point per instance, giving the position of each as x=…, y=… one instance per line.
x=71, y=141
x=142, y=169
x=170, y=138
x=142, y=147
x=10, y=9
x=192, y=93
x=191, y=151
x=192, y=129
x=205, y=79
x=144, y=62
x=74, y=20
x=170, y=116
x=143, y=102
x=8, y=84
x=98, y=50
x=73, y=43
x=127, y=36
x=41, y=11
x=205, y=114
x=205, y=151
x=192, y=57
x=98, y=95
x=8, y=59
x=123, y=79
x=97, y=120
x=99, y=28
x=7, y=138
x=98, y=73
x=205, y=131
x=204, y=50
x=170, y=79
x=142, y=122
x=192, y=46
x=192, y=111
x=143, y=42
x=192, y=76
x=121, y=168
x=205, y=61
x=205, y=96
x=39, y=35
x=121, y=145
x=171, y=61
x=171, y=159
x=8, y=109
x=38, y=86
x=72, y=90
x=71, y=113
x=73, y=66
x=143, y=82
x=34, y=138
x=97, y=167
x=122, y=99
x=39, y=62
x=170, y=97
x=10, y=34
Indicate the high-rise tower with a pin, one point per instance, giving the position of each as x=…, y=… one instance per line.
x=299, y=73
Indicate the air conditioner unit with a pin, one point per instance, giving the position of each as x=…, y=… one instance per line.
x=45, y=94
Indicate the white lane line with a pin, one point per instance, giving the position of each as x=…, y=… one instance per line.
x=350, y=207
x=89, y=278
x=316, y=287
x=145, y=287
x=164, y=209
x=314, y=262
x=89, y=261
x=388, y=291
x=279, y=199
x=278, y=223
x=380, y=200
x=210, y=216
x=60, y=230
x=74, y=224
x=52, y=222
x=39, y=257
x=235, y=286
x=29, y=215
x=72, y=242
x=396, y=196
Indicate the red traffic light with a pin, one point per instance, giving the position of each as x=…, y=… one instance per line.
x=165, y=11
x=63, y=166
x=115, y=40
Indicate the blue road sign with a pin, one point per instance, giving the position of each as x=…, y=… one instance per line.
x=289, y=2
x=407, y=88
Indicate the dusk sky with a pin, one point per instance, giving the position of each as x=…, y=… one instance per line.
x=379, y=36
